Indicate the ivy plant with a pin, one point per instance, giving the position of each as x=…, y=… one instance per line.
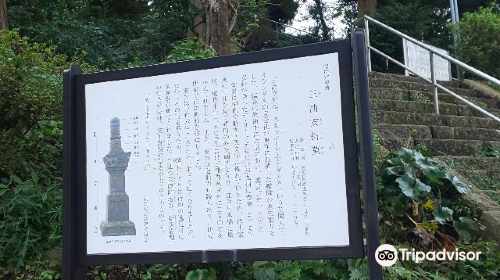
x=421, y=202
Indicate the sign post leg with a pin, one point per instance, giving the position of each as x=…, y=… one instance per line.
x=366, y=149
x=71, y=270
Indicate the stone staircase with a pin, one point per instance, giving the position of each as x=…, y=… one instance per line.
x=462, y=137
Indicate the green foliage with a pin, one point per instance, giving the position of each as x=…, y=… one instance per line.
x=478, y=39
x=201, y=274
x=490, y=152
x=30, y=106
x=422, y=202
x=30, y=220
x=39, y=270
x=139, y=272
x=380, y=153
x=302, y=269
x=111, y=33
x=189, y=49
x=422, y=20
x=419, y=97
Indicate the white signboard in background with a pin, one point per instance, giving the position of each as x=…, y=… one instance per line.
x=241, y=157
x=418, y=60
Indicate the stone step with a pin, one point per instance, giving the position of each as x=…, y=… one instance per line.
x=406, y=131
x=395, y=84
x=494, y=195
x=391, y=76
x=393, y=117
x=439, y=147
x=427, y=97
x=486, y=180
x=442, y=147
x=464, y=133
x=481, y=173
x=472, y=163
x=422, y=107
x=403, y=131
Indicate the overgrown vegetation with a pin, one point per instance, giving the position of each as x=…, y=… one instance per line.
x=480, y=178
x=478, y=37
x=425, y=201
x=30, y=106
x=30, y=219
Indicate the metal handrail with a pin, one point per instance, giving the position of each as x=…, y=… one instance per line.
x=433, y=80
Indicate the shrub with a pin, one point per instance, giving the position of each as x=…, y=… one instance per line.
x=189, y=49
x=30, y=220
x=478, y=39
x=422, y=203
x=30, y=92
x=30, y=106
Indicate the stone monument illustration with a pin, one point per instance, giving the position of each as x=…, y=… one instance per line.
x=117, y=201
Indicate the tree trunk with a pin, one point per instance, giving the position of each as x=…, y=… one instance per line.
x=4, y=22
x=367, y=7
x=220, y=17
x=199, y=26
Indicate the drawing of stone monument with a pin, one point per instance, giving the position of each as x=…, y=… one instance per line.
x=117, y=202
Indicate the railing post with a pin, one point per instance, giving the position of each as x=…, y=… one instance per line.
x=366, y=155
x=434, y=87
x=367, y=45
x=72, y=269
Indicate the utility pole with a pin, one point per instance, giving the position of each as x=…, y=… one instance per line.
x=454, y=11
x=454, y=20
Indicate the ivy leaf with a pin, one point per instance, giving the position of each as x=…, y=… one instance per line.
x=396, y=170
x=407, y=156
x=443, y=214
x=412, y=187
x=466, y=228
x=410, y=170
x=431, y=169
x=395, y=161
x=460, y=186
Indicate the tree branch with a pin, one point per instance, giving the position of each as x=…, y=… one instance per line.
x=234, y=16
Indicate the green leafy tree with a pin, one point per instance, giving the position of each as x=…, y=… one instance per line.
x=423, y=20
x=469, y=6
x=111, y=34
x=478, y=39
x=30, y=105
x=248, y=25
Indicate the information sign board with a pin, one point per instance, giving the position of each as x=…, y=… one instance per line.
x=418, y=60
x=245, y=157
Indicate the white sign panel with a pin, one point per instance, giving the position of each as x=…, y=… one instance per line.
x=418, y=60
x=240, y=157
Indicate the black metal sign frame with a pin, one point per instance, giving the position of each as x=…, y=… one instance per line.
x=75, y=258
